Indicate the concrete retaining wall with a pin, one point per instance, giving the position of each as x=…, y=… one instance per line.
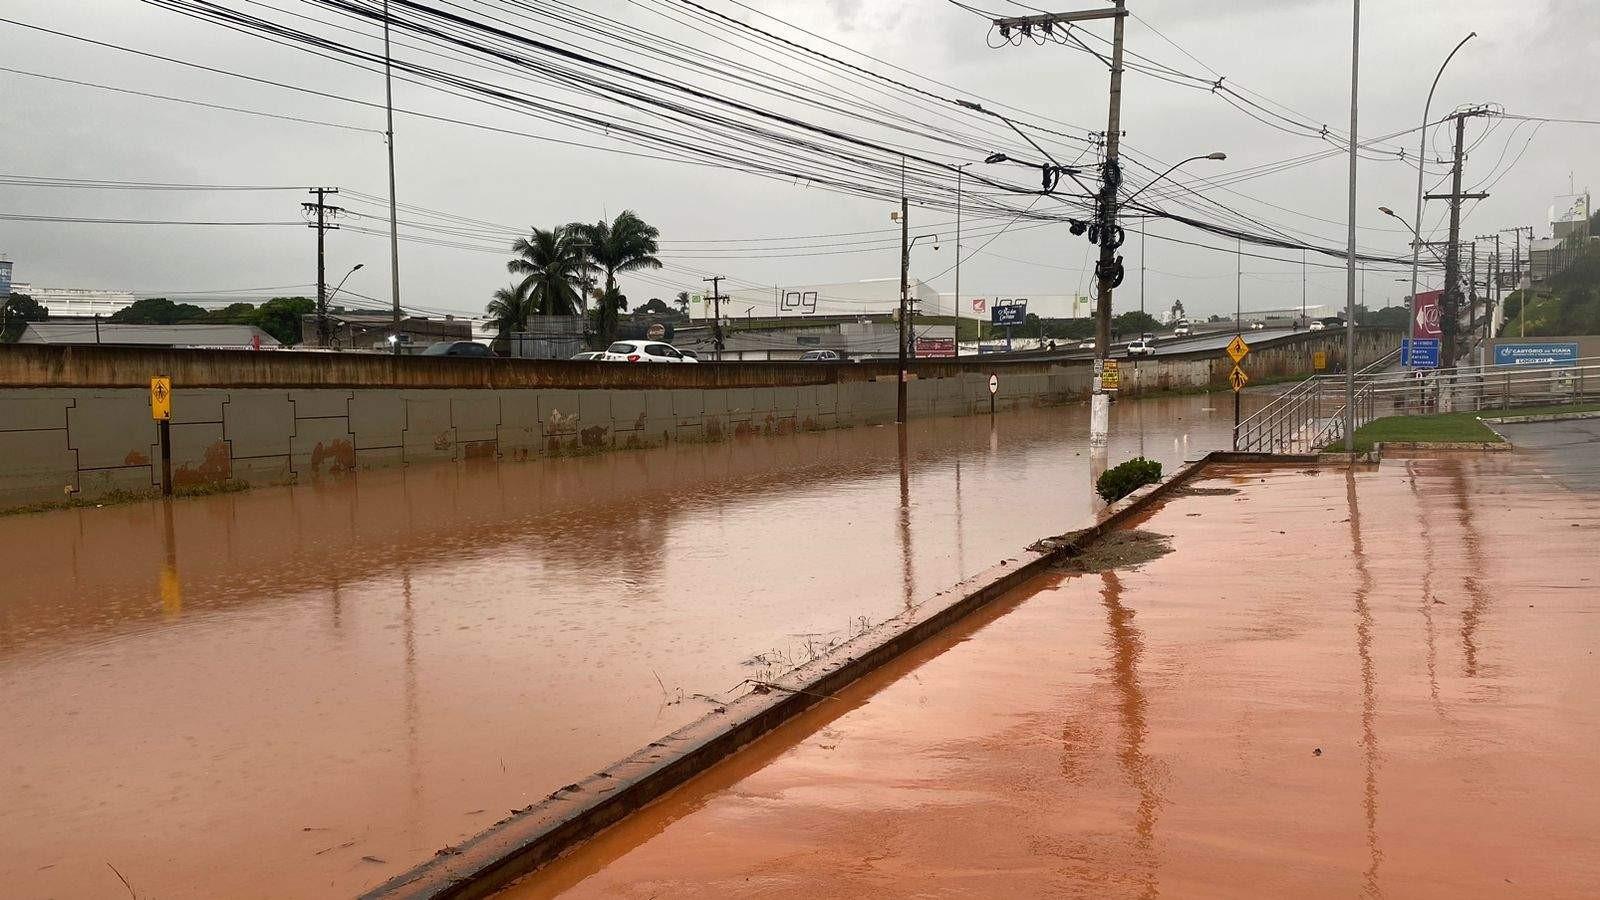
x=75, y=422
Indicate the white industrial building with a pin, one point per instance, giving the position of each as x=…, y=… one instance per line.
x=72, y=303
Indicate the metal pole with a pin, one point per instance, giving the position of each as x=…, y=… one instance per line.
x=1350, y=251
x=1303, y=288
x=960, y=170
x=1422, y=154
x=394, y=217
x=1238, y=325
x=1143, y=243
x=1100, y=403
x=905, y=317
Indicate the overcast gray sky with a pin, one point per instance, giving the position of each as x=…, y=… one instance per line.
x=1532, y=58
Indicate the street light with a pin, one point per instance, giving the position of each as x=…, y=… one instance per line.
x=1417, y=242
x=1422, y=153
x=323, y=326
x=1216, y=155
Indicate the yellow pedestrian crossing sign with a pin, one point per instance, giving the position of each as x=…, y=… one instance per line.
x=1238, y=379
x=160, y=398
x=1238, y=349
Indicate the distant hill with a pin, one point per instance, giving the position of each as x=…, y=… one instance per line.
x=1567, y=304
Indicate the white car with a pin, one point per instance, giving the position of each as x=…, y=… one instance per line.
x=1316, y=326
x=1258, y=326
x=1086, y=345
x=588, y=355
x=1182, y=330
x=646, y=352
x=1142, y=347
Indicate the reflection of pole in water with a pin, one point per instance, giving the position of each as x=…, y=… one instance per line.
x=408, y=637
x=1427, y=589
x=961, y=549
x=1369, y=689
x=1477, y=597
x=171, y=587
x=1126, y=643
x=907, y=577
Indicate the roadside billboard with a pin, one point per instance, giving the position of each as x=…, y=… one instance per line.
x=1009, y=314
x=935, y=348
x=1535, y=354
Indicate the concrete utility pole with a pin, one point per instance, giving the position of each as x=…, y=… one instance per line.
x=1350, y=250
x=905, y=314
x=323, y=212
x=1422, y=156
x=1491, y=299
x=1108, y=271
x=716, y=314
x=394, y=218
x=960, y=170
x=1450, y=308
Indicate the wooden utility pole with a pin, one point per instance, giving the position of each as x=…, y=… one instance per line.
x=324, y=213
x=716, y=314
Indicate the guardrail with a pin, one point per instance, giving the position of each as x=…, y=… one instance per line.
x=1311, y=415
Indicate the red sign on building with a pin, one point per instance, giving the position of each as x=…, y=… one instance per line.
x=936, y=347
x=1426, y=322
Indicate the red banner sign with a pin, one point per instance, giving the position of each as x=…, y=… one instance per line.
x=1426, y=322
x=936, y=347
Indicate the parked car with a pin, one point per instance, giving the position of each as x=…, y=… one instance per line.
x=1141, y=347
x=458, y=348
x=820, y=356
x=646, y=352
x=1182, y=330
x=591, y=355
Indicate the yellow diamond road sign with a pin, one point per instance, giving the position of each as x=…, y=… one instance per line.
x=1238, y=349
x=1238, y=379
x=161, y=397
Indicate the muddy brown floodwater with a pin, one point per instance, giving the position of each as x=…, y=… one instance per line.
x=1379, y=683
x=302, y=691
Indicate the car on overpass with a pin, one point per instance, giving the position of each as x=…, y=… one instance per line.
x=646, y=352
x=1141, y=347
x=820, y=356
x=1182, y=329
x=458, y=348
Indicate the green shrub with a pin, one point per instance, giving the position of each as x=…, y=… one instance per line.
x=1121, y=480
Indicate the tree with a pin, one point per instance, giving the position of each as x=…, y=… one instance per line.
x=657, y=307
x=156, y=311
x=626, y=244
x=281, y=317
x=16, y=313
x=550, y=264
x=1134, y=322
x=1178, y=314
x=508, y=312
x=683, y=302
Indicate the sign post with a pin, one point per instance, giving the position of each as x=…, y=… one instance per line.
x=1110, y=376
x=1008, y=313
x=1237, y=351
x=994, y=388
x=161, y=411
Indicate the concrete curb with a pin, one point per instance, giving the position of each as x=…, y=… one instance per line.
x=1424, y=446
x=537, y=834
x=1546, y=417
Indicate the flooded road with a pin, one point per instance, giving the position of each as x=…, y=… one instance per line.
x=1338, y=684
x=302, y=691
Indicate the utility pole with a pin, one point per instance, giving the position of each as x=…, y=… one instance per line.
x=960, y=170
x=1472, y=290
x=1450, y=307
x=716, y=313
x=324, y=213
x=1350, y=250
x=394, y=218
x=905, y=289
x=1108, y=270
x=1491, y=302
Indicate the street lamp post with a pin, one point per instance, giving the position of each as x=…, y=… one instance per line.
x=956, y=344
x=1422, y=154
x=329, y=302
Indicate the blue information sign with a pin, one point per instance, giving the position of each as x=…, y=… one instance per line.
x=1009, y=314
x=1535, y=354
x=1419, y=353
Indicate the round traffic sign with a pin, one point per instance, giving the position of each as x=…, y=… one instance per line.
x=994, y=384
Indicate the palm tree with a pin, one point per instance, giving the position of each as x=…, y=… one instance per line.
x=626, y=244
x=508, y=312
x=683, y=302
x=551, y=264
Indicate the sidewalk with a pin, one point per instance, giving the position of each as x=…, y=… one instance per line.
x=1379, y=683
